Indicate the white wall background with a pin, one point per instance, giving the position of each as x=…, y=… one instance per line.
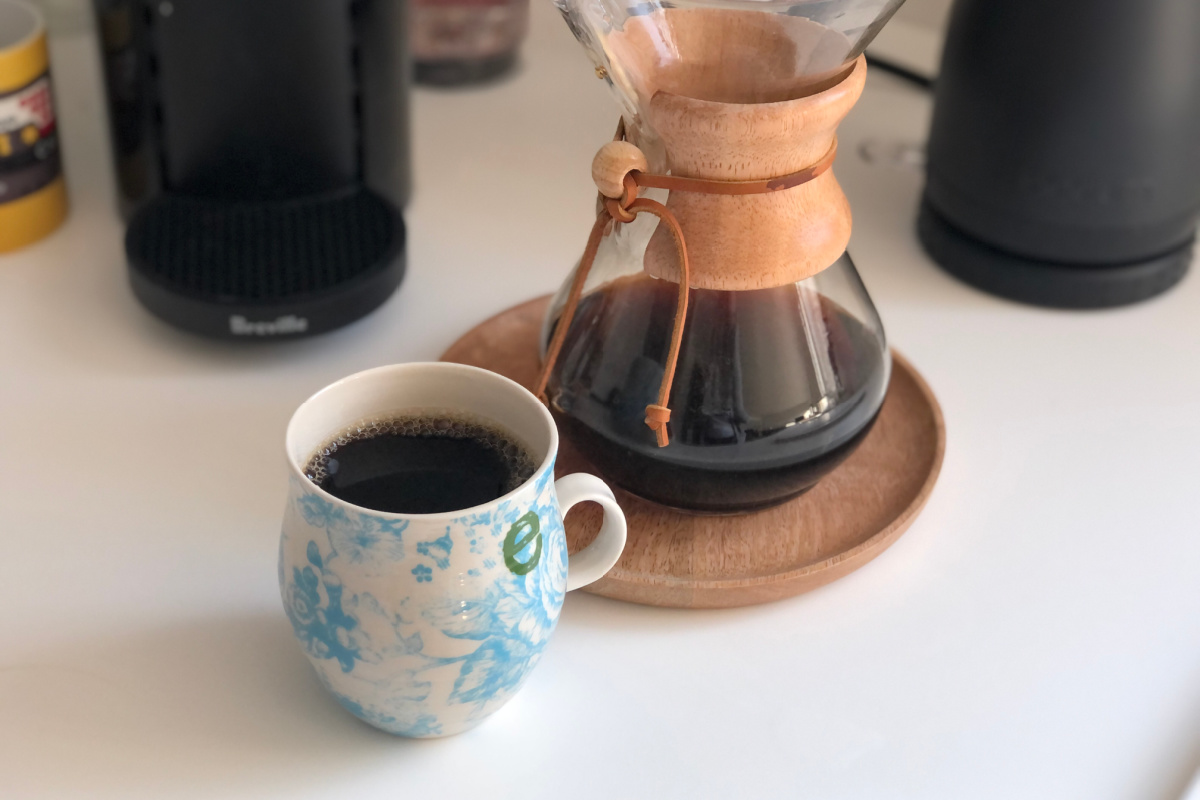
x=66, y=16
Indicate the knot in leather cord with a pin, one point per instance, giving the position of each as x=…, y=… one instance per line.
x=657, y=418
x=619, y=209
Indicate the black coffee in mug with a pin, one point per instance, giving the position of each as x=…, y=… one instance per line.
x=421, y=464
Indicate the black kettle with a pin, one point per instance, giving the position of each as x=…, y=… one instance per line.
x=1064, y=154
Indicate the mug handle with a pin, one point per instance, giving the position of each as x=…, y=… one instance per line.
x=592, y=562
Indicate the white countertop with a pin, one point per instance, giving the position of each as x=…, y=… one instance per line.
x=1036, y=634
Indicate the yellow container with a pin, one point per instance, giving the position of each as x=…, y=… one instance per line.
x=33, y=195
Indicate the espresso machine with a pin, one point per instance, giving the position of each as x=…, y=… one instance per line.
x=262, y=158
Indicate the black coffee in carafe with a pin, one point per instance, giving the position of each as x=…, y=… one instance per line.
x=421, y=464
x=773, y=389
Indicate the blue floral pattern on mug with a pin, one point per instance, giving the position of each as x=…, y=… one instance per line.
x=418, y=627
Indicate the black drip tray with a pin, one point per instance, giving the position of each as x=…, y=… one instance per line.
x=265, y=270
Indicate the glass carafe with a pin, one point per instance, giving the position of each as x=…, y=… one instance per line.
x=784, y=364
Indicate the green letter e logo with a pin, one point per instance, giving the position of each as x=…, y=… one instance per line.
x=527, y=528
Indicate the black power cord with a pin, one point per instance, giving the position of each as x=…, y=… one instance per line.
x=915, y=78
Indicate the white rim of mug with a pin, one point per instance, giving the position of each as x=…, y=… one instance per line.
x=486, y=374
x=39, y=25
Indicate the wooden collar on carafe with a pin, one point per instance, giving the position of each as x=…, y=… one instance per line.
x=620, y=170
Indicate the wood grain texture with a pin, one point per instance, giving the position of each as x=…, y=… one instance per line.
x=612, y=163
x=677, y=560
x=748, y=104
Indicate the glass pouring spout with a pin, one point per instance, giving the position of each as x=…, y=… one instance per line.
x=727, y=51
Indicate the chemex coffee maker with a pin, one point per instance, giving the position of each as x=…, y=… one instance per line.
x=262, y=158
x=714, y=354
x=765, y=372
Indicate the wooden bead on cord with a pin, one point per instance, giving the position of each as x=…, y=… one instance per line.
x=612, y=163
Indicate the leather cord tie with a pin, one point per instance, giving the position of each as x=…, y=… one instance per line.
x=620, y=171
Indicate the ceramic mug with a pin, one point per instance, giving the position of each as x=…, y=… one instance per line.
x=425, y=624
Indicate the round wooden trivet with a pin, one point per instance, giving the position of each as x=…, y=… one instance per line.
x=673, y=559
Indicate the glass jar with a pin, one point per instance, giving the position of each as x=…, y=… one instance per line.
x=466, y=41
